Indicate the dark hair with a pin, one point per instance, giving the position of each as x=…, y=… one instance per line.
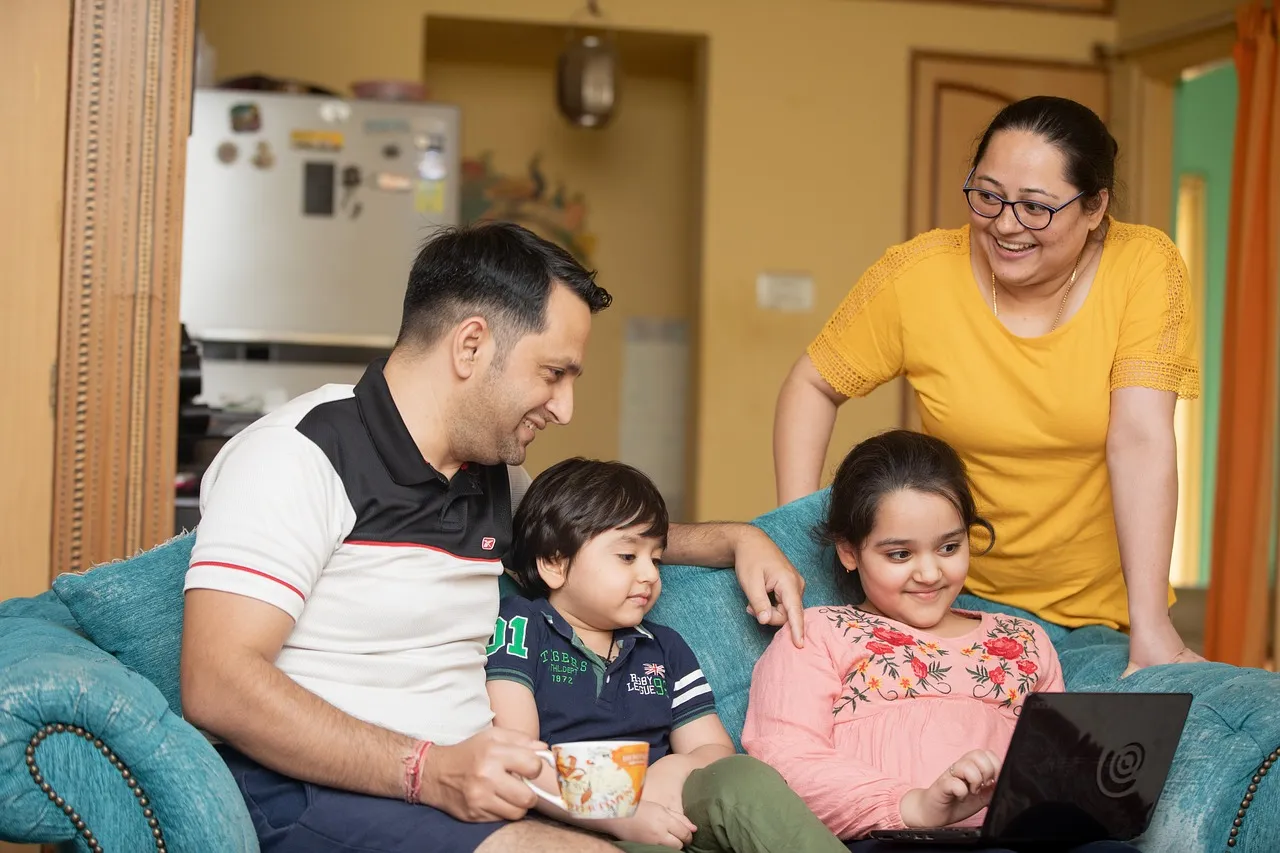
x=574, y=501
x=1088, y=147
x=884, y=464
x=498, y=270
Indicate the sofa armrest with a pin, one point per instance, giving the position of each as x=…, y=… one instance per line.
x=90, y=748
x=1218, y=796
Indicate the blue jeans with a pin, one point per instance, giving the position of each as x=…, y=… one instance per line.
x=298, y=817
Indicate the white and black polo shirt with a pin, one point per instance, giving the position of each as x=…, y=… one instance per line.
x=326, y=509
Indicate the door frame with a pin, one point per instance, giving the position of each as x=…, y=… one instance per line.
x=116, y=403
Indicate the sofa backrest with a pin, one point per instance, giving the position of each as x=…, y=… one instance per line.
x=133, y=608
x=708, y=608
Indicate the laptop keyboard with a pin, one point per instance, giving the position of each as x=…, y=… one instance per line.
x=942, y=834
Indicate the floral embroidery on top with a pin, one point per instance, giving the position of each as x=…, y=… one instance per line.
x=896, y=665
x=1009, y=671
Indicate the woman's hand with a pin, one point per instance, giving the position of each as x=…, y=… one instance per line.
x=1157, y=643
x=961, y=792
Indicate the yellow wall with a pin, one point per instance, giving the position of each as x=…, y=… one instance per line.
x=805, y=159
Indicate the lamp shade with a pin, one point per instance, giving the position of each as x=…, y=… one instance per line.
x=587, y=80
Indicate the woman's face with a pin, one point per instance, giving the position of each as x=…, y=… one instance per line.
x=1021, y=166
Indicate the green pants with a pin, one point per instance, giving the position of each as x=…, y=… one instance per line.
x=742, y=805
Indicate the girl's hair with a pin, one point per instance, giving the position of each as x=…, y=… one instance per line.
x=883, y=464
x=573, y=502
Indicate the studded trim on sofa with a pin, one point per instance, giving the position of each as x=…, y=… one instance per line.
x=153, y=823
x=1248, y=796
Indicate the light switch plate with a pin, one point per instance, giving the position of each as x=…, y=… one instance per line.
x=784, y=291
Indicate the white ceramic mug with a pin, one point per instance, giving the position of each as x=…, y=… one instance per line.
x=598, y=778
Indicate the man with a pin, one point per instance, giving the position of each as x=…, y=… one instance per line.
x=343, y=583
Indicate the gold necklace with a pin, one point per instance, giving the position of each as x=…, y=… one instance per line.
x=995, y=308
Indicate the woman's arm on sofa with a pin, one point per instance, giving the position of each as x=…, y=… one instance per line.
x=803, y=420
x=1143, y=466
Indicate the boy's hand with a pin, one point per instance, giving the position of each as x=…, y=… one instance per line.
x=654, y=824
x=961, y=792
x=664, y=782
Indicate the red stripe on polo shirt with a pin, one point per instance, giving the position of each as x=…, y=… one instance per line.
x=284, y=584
x=423, y=547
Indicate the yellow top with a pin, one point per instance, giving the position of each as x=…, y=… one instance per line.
x=1027, y=415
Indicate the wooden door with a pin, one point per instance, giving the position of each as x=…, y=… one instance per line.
x=953, y=98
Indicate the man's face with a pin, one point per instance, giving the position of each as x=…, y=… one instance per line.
x=508, y=405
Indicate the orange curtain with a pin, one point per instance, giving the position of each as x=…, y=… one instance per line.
x=1236, y=621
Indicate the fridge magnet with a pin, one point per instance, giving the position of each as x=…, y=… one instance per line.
x=263, y=158
x=557, y=215
x=245, y=118
x=392, y=183
x=432, y=166
x=386, y=125
x=227, y=152
x=335, y=112
x=316, y=140
x=428, y=197
x=351, y=180
x=391, y=151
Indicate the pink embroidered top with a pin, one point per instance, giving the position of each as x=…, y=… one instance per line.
x=871, y=708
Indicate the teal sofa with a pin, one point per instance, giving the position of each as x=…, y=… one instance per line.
x=95, y=755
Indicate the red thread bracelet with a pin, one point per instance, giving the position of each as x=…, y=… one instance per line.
x=413, y=772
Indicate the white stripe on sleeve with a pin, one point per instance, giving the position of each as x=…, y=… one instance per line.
x=688, y=679
x=697, y=691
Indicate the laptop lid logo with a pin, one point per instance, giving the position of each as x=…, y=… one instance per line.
x=1118, y=770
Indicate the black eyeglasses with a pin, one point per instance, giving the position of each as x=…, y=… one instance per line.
x=1034, y=215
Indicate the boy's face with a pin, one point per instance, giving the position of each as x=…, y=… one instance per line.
x=613, y=581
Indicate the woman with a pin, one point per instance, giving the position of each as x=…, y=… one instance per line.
x=1048, y=343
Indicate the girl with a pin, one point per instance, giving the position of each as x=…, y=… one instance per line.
x=898, y=710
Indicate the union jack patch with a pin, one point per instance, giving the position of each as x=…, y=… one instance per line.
x=655, y=669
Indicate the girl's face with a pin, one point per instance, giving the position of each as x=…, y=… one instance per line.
x=914, y=563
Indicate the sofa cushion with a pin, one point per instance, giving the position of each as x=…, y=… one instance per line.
x=708, y=609
x=133, y=609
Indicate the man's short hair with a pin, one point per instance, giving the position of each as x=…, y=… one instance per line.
x=571, y=503
x=497, y=270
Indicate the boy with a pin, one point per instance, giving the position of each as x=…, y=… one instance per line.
x=575, y=660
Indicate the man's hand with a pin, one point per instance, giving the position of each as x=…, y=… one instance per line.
x=482, y=778
x=654, y=824
x=961, y=792
x=763, y=570
x=1155, y=644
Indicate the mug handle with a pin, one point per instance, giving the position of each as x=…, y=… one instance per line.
x=545, y=755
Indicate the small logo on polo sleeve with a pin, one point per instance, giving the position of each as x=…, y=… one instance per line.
x=488, y=542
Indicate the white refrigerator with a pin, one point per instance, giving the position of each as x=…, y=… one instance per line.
x=302, y=218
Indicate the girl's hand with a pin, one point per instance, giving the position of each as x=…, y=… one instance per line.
x=961, y=792
x=654, y=824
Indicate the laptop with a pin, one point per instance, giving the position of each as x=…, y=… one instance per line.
x=1081, y=767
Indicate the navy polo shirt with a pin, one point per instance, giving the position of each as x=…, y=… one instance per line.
x=651, y=688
